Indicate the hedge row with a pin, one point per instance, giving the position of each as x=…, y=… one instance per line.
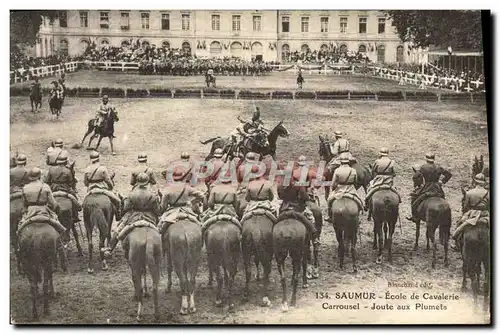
x=253, y=95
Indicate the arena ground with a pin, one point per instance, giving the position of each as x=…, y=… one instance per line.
x=163, y=128
x=274, y=81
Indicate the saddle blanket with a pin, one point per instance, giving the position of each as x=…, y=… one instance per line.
x=472, y=217
x=129, y=227
x=133, y=216
x=41, y=219
x=374, y=189
x=16, y=195
x=254, y=205
x=220, y=217
x=172, y=215
x=70, y=196
x=292, y=214
x=354, y=197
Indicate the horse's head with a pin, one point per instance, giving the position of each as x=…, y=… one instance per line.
x=113, y=115
x=418, y=178
x=324, y=151
x=280, y=130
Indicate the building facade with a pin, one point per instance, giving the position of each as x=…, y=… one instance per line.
x=266, y=35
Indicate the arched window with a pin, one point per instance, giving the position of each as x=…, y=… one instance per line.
x=381, y=54
x=186, y=47
x=285, y=52
x=215, y=47
x=304, y=48
x=63, y=47
x=165, y=44
x=400, y=54
x=362, y=48
x=343, y=48
x=236, y=49
x=257, y=48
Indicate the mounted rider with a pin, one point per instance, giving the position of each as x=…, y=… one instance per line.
x=62, y=85
x=343, y=183
x=176, y=201
x=39, y=203
x=141, y=205
x=55, y=151
x=259, y=194
x=217, y=164
x=475, y=207
x=97, y=180
x=105, y=108
x=19, y=176
x=431, y=174
x=61, y=178
x=36, y=89
x=142, y=158
x=252, y=129
x=302, y=172
x=56, y=91
x=295, y=198
x=340, y=146
x=383, y=173
x=244, y=171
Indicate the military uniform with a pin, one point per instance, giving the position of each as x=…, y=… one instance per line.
x=18, y=178
x=143, y=168
x=218, y=165
x=177, y=198
x=222, y=200
x=102, y=112
x=476, y=206
x=96, y=176
x=39, y=202
x=431, y=174
x=343, y=182
x=383, y=173
x=259, y=195
x=340, y=146
x=53, y=153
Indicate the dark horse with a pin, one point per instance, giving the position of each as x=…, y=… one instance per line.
x=210, y=79
x=249, y=145
x=476, y=251
x=385, y=211
x=107, y=129
x=36, y=100
x=55, y=105
x=436, y=212
x=363, y=173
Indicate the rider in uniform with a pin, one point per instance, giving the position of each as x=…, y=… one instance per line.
x=54, y=152
x=36, y=89
x=142, y=158
x=60, y=178
x=222, y=198
x=343, y=182
x=19, y=175
x=259, y=193
x=97, y=177
x=55, y=92
x=39, y=201
x=62, y=81
x=141, y=204
x=244, y=170
x=476, y=206
x=104, y=109
x=340, y=146
x=217, y=164
x=431, y=173
x=383, y=173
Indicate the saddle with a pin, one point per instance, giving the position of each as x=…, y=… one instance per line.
x=61, y=193
x=427, y=191
x=42, y=219
x=141, y=223
x=292, y=214
x=219, y=217
x=172, y=215
x=259, y=208
x=350, y=196
x=382, y=187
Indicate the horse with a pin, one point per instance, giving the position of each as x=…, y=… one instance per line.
x=222, y=240
x=38, y=252
x=143, y=248
x=436, y=212
x=345, y=220
x=55, y=105
x=35, y=100
x=16, y=212
x=182, y=243
x=97, y=211
x=290, y=237
x=385, y=211
x=67, y=220
x=106, y=129
x=476, y=251
x=210, y=79
x=225, y=144
x=363, y=172
x=257, y=241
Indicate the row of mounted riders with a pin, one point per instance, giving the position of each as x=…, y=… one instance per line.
x=56, y=99
x=190, y=69
x=221, y=223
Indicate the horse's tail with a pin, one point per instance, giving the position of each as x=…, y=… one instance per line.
x=97, y=218
x=210, y=140
x=444, y=219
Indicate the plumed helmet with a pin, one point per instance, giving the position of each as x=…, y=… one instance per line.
x=94, y=156
x=184, y=155
x=338, y=134
x=35, y=174
x=59, y=142
x=21, y=159
x=142, y=179
x=142, y=157
x=480, y=178
x=218, y=153
x=384, y=151
x=62, y=158
x=302, y=160
x=250, y=156
x=344, y=157
x=430, y=157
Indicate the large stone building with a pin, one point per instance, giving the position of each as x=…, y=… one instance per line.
x=267, y=34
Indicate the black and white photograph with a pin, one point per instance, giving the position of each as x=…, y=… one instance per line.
x=250, y=166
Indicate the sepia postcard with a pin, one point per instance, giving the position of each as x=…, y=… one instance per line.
x=250, y=167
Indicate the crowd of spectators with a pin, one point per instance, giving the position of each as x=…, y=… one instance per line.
x=329, y=56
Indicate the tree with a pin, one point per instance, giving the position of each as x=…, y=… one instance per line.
x=460, y=29
x=25, y=25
